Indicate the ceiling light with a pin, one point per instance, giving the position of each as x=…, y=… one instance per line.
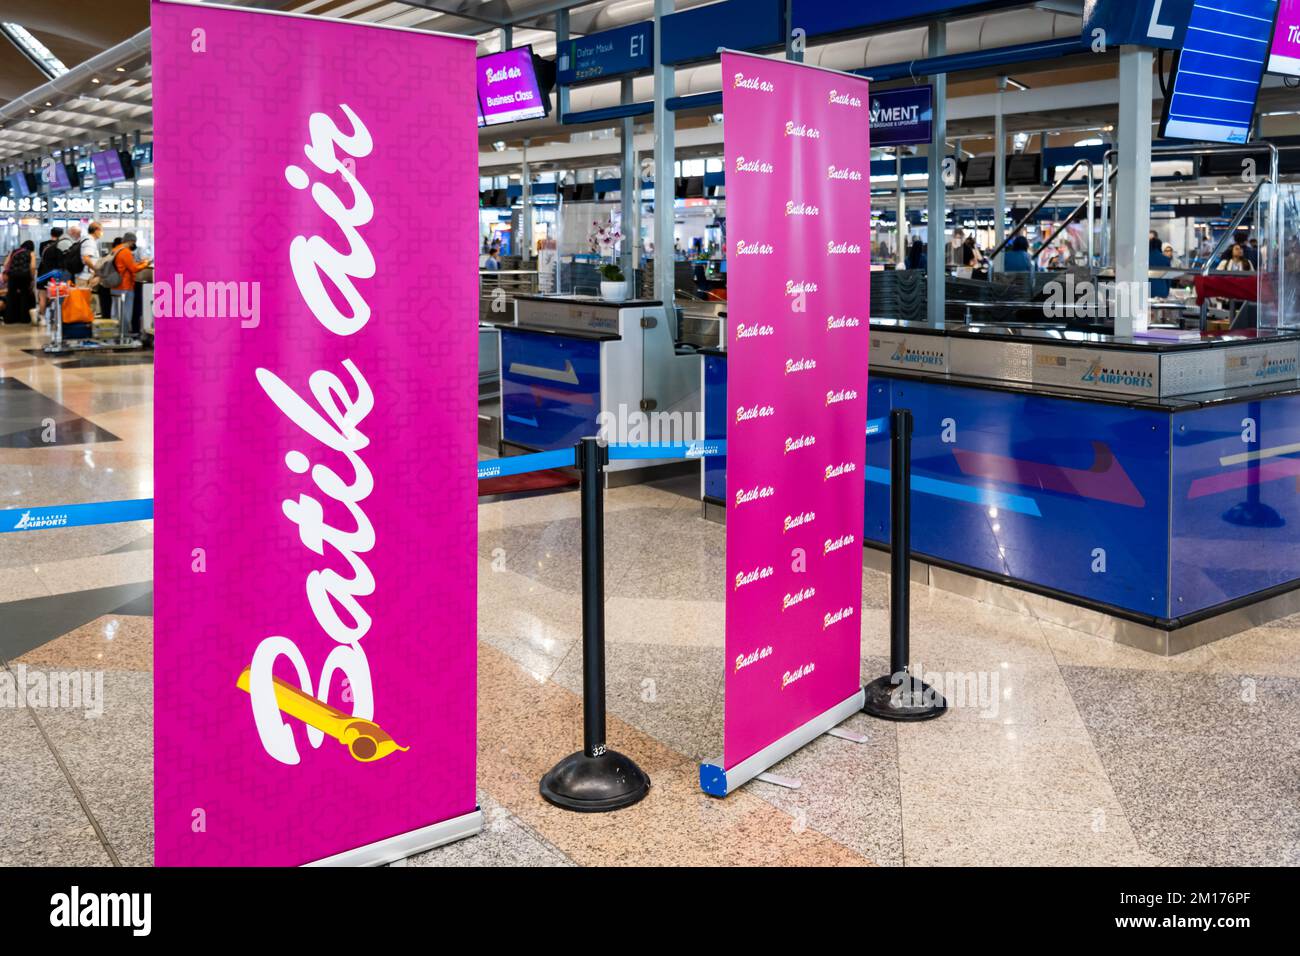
x=1012, y=81
x=94, y=79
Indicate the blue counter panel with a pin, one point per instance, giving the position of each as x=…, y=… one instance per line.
x=1236, y=501
x=715, y=423
x=550, y=389
x=1090, y=482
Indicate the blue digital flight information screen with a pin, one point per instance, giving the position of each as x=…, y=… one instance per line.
x=1219, y=70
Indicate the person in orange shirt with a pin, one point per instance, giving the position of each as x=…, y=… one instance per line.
x=126, y=266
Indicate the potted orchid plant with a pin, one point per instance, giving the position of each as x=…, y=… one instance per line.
x=604, y=239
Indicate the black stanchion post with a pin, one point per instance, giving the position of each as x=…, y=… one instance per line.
x=899, y=695
x=595, y=778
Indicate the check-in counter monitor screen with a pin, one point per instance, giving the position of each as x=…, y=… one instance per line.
x=509, y=87
x=1216, y=80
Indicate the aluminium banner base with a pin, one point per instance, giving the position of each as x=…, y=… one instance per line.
x=408, y=844
x=717, y=781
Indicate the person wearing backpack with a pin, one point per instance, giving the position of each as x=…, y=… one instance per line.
x=124, y=267
x=20, y=276
x=52, y=258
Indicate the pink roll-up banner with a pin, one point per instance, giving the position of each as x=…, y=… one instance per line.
x=797, y=148
x=1284, y=53
x=316, y=399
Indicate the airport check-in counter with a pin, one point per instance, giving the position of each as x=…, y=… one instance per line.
x=1156, y=481
x=565, y=360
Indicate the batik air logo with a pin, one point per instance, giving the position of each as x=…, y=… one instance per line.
x=1099, y=374
x=799, y=673
x=802, y=130
x=834, y=248
x=844, y=99
x=326, y=445
x=843, y=173
x=760, y=166
x=753, y=248
x=831, y=619
x=796, y=598
x=799, y=443
x=804, y=364
x=831, y=545
x=742, y=82
x=798, y=521
x=795, y=287
x=752, y=412
x=838, y=396
x=757, y=493
x=753, y=657
x=910, y=356
x=753, y=331
x=834, y=322
x=1273, y=367
x=793, y=208
x=753, y=576
x=28, y=522
x=838, y=471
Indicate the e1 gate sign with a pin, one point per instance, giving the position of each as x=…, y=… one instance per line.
x=902, y=117
x=607, y=54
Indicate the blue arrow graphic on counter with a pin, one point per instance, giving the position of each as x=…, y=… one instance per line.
x=567, y=375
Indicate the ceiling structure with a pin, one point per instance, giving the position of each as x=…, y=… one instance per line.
x=97, y=97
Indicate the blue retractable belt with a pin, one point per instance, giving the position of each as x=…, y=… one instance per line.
x=69, y=516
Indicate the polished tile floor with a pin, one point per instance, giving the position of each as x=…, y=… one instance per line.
x=1068, y=749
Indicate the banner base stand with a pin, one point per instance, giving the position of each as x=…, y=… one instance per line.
x=403, y=845
x=595, y=784
x=909, y=699
x=718, y=782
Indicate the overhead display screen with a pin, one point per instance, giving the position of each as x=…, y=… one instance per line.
x=508, y=89
x=1216, y=81
x=1284, y=55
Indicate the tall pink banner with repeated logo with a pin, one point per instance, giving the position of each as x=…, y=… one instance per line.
x=316, y=393
x=797, y=143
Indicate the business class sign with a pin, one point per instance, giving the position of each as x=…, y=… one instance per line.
x=315, y=496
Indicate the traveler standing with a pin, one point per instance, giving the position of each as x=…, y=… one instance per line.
x=20, y=276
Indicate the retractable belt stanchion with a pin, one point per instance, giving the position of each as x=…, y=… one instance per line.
x=899, y=695
x=594, y=779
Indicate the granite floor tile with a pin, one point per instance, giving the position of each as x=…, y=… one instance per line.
x=674, y=825
x=666, y=692
x=19, y=584
x=1272, y=650
x=111, y=759
x=113, y=642
x=966, y=834
x=1045, y=768
x=100, y=571
x=504, y=841
x=680, y=623
x=849, y=791
x=1166, y=704
x=41, y=821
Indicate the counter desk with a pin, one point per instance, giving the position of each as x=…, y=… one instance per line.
x=1155, y=482
x=568, y=364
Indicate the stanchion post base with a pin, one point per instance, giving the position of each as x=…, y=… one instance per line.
x=595, y=784
x=909, y=700
x=1253, y=514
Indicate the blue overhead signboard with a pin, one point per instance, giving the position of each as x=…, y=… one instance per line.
x=1216, y=81
x=696, y=34
x=902, y=117
x=611, y=53
x=822, y=17
x=1155, y=23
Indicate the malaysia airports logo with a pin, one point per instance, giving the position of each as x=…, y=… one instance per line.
x=910, y=356
x=1274, y=367
x=29, y=522
x=1099, y=374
